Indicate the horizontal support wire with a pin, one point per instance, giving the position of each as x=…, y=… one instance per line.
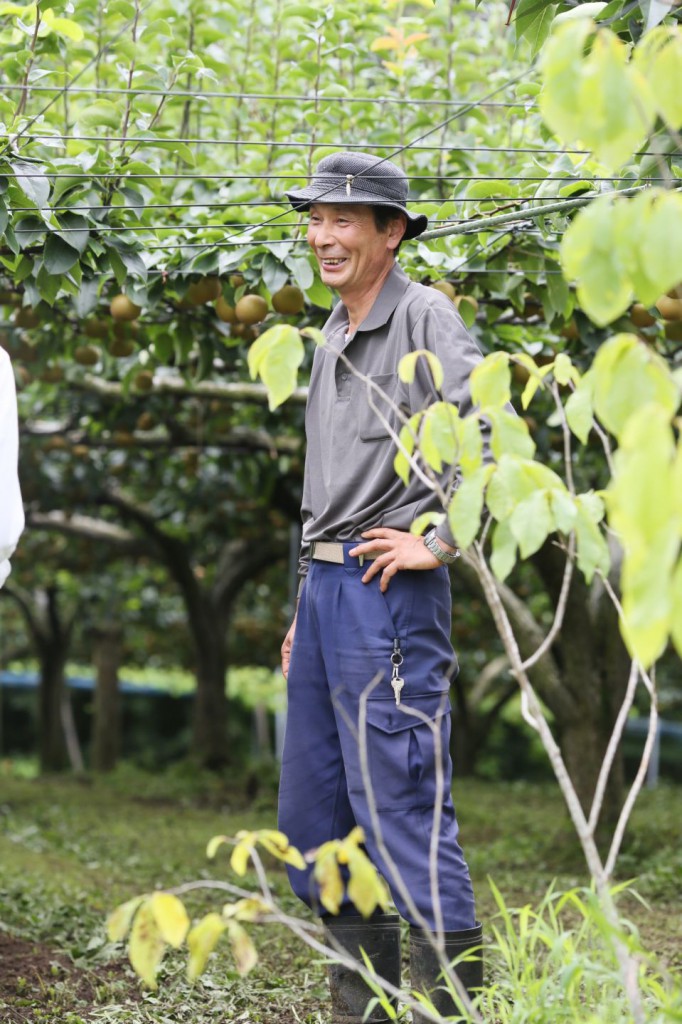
x=134, y=175
x=275, y=97
x=506, y=200
x=363, y=146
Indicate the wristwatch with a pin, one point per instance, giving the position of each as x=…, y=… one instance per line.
x=446, y=557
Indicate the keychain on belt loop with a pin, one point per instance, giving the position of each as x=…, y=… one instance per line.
x=397, y=682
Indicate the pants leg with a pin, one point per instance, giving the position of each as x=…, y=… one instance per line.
x=408, y=768
x=313, y=796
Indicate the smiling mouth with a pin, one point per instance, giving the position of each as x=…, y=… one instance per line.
x=329, y=262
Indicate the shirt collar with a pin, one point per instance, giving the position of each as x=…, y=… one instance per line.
x=391, y=293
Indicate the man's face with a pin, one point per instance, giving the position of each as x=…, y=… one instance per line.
x=351, y=252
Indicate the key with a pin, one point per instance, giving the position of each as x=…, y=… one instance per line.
x=397, y=683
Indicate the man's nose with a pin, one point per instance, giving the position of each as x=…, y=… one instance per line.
x=323, y=235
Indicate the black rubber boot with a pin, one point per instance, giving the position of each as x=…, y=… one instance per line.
x=426, y=972
x=380, y=939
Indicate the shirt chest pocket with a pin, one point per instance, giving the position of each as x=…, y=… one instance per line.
x=373, y=406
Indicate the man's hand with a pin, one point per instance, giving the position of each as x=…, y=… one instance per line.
x=399, y=550
x=286, y=648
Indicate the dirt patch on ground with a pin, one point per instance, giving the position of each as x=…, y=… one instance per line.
x=39, y=984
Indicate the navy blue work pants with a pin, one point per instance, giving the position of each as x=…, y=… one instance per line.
x=345, y=636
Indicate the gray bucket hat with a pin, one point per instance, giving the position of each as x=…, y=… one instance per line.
x=359, y=178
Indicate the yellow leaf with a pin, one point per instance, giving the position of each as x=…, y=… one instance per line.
x=171, y=917
x=202, y=941
x=251, y=909
x=214, y=844
x=119, y=920
x=365, y=887
x=242, y=851
x=407, y=367
x=146, y=946
x=383, y=43
x=277, y=844
x=416, y=37
x=243, y=948
x=356, y=837
x=328, y=877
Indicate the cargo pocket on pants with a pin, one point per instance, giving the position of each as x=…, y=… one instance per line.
x=401, y=748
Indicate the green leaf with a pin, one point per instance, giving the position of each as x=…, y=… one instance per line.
x=34, y=184
x=510, y=435
x=579, y=415
x=627, y=375
x=503, y=556
x=62, y=26
x=601, y=99
x=407, y=437
x=676, y=607
x=407, y=367
x=466, y=507
x=95, y=115
x=659, y=243
x=491, y=381
x=533, y=22
x=530, y=523
x=59, y=256
x=276, y=356
x=488, y=189
x=592, y=551
x=596, y=252
x=320, y=295
x=419, y=525
x=439, y=434
x=302, y=271
x=658, y=56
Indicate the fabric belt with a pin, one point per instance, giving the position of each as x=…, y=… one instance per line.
x=336, y=552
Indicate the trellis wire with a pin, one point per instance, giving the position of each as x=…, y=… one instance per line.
x=362, y=146
x=199, y=94
x=132, y=176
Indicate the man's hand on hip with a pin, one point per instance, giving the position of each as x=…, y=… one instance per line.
x=286, y=648
x=399, y=550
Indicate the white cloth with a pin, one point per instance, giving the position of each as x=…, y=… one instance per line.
x=11, y=507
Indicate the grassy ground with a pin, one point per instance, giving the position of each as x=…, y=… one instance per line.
x=71, y=850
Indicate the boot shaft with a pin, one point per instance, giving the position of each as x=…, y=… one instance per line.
x=380, y=939
x=426, y=972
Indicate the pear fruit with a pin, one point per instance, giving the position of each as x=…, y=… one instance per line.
x=640, y=316
x=86, y=355
x=446, y=288
x=123, y=308
x=206, y=289
x=225, y=311
x=144, y=380
x=670, y=309
x=251, y=309
x=289, y=300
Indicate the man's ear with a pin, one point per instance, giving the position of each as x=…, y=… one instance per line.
x=396, y=229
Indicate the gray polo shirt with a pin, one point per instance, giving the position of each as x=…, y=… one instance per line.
x=350, y=484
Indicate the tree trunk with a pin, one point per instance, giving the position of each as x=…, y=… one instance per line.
x=54, y=754
x=106, y=731
x=209, y=733
x=594, y=668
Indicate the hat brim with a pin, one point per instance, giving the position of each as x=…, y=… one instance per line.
x=303, y=199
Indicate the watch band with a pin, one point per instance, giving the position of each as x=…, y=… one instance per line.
x=446, y=557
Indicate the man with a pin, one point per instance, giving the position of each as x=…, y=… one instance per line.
x=374, y=600
x=11, y=508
